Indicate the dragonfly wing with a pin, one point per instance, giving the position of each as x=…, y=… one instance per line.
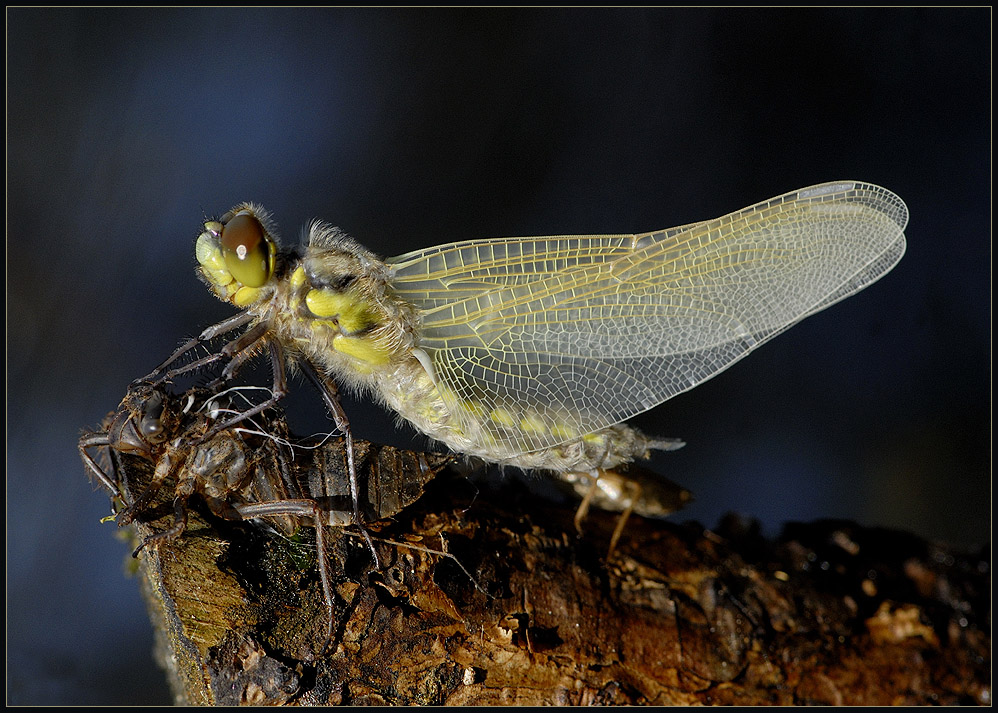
x=557, y=337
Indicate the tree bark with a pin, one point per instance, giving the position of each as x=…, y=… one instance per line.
x=494, y=599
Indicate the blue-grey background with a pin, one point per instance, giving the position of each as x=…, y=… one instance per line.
x=413, y=127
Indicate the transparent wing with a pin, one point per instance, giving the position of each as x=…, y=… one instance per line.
x=535, y=341
x=441, y=275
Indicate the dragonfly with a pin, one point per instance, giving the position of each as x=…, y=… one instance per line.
x=533, y=352
x=255, y=471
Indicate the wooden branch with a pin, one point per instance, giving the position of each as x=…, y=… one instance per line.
x=523, y=611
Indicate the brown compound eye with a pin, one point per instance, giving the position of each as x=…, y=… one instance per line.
x=247, y=250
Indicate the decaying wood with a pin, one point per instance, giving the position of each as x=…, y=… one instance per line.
x=524, y=611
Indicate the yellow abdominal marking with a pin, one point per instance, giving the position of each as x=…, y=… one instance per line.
x=503, y=417
x=476, y=410
x=534, y=424
x=564, y=432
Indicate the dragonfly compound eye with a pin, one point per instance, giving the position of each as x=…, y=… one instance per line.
x=247, y=250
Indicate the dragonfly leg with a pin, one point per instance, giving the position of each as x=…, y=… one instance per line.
x=159, y=374
x=330, y=395
x=309, y=508
x=93, y=441
x=240, y=350
x=279, y=391
x=171, y=533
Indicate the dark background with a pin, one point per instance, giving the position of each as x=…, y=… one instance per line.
x=411, y=128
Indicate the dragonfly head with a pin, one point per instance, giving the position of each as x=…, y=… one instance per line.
x=238, y=254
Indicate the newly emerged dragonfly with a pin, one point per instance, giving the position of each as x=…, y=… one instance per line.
x=531, y=352
x=253, y=472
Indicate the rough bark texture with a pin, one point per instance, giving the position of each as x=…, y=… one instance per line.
x=524, y=611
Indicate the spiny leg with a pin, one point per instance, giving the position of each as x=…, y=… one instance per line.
x=171, y=533
x=241, y=349
x=92, y=441
x=158, y=376
x=238, y=351
x=330, y=396
x=278, y=392
x=308, y=508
